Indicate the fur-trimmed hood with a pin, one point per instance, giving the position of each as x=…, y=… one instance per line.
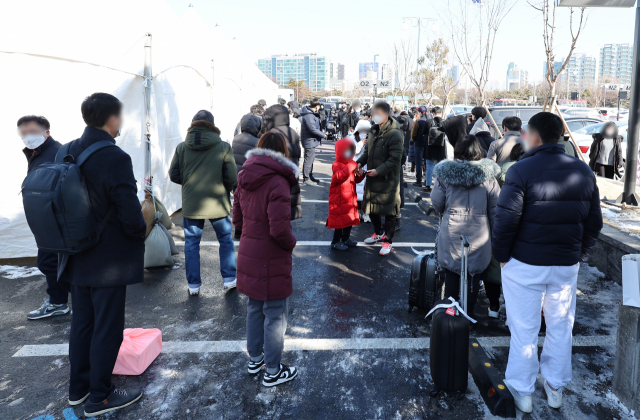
x=466, y=174
x=202, y=135
x=261, y=164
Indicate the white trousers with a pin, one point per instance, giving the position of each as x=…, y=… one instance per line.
x=528, y=289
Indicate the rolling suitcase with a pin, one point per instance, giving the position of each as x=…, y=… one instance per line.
x=425, y=282
x=449, y=348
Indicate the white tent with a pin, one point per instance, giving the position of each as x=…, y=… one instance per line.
x=72, y=48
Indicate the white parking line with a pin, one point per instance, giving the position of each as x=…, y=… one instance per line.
x=311, y=344
x=427, y=245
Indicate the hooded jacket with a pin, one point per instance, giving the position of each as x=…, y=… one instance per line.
x=261, y=210
x=204, y=165
x=246, y=140
x=406, y=126
x=276, y=118
x=420, y=131
x=549, y=210
x=310, y=133
x=465, y=194
x=343, y=204
x=499, y=150
x=486, y=140
x=383, y=152
x=455, y=128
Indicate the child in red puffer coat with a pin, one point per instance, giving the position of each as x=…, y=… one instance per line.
x=343, y=199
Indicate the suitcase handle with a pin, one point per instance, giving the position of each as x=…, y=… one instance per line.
x=465, y=241
x=464, y=265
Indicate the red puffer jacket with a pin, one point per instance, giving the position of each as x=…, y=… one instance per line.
x=262, y=209
x=343, y=200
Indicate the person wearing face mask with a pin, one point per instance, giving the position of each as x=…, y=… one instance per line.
x=99, y=276
x=41, y=148
x=605, y=156
x=547, y=222
x=343, y=204
x=383, y=157
x=311, y=136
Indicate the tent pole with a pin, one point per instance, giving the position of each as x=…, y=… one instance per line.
x=147, y=110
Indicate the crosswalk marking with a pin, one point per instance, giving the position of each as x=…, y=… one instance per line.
x=311, y=344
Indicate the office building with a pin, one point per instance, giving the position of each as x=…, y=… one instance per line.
x=454, y=73
x=616, y=61
x=364, y=69
x=313, y=69
x=516, y=77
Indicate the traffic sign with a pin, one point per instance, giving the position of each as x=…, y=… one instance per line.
x=370, y=83
x=617, y=87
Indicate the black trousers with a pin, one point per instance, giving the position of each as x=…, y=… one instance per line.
x=341, y=235
x=493, y=294
x=389, y=225
x=96, y=336
x=606, y=171
x=307, y=166
x=452, y=288
x=58, y=291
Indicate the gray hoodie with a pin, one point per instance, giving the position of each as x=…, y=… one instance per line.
x=465, y=194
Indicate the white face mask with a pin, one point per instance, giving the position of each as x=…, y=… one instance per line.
x=377, y=119
x=609, y=134
x=32, y=141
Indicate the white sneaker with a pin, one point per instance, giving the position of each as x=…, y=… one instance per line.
x=230, y=285
x=386, y=248
x=554, y=398
x=375, y=238
x=366, y=218
x=194, y=291
x=524, y=404
x=411, y=174
x=494, y=314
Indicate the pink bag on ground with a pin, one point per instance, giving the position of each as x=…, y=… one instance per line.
x=139, y=348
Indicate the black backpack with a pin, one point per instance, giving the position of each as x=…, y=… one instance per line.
x=57, y=204
x=436, y=137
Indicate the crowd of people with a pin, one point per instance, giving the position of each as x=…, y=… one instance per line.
x=530, y=210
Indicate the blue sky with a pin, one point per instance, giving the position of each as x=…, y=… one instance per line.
x=350, y=32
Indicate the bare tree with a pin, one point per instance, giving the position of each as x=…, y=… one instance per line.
x=433, y=77
x=548, y=9
x=473, y=34
x=403, y=61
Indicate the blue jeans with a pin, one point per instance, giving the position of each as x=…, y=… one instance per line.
x=193, y=234
x=429, y=175
x=418, y=152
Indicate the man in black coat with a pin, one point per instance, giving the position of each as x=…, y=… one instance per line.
x=246, y=140
x=42, y=148
x=311, y=136
x=547, y=221
x=99, y=276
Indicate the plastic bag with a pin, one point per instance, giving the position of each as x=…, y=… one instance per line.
x=157, y=250
x=631, y=280
x=138, y=350
x=149, y=214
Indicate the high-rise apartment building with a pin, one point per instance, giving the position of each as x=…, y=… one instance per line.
x=516, y=77
x=313, y=69
x=581, y=72
x=616, y=61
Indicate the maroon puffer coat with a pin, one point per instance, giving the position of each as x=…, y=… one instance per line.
x=262, y=210
x=343, y=199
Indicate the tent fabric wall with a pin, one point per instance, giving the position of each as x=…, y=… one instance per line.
x=52, y=71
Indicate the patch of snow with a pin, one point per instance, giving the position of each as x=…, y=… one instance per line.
x=16, y=402
x=12, y=272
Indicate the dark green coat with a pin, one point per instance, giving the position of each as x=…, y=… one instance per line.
x=204, y=165
x=383, y=152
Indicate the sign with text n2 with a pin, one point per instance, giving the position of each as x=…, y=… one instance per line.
x=616, y=87
x=379, y=83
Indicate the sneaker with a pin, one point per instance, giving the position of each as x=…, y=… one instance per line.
x=351, y=243
x=494, y=313
x=285, y=375
x=194, y=291
x=73, y=401
x=339, y=246
x=554, y=398
x=47, y=309
x=308, y=184
x=386, y=248
x=366, y=218
x=411, y=174
x=255, y=367
x=375, y=238
x=228, y=285
x=426, y=189
x=313, y=179
x=118, y=399
x=524, y=404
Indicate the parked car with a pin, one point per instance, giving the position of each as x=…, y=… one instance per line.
x=575, y=123
x=582, y=112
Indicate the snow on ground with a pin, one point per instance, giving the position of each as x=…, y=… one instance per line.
x=12, y=272
x=627, y=220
